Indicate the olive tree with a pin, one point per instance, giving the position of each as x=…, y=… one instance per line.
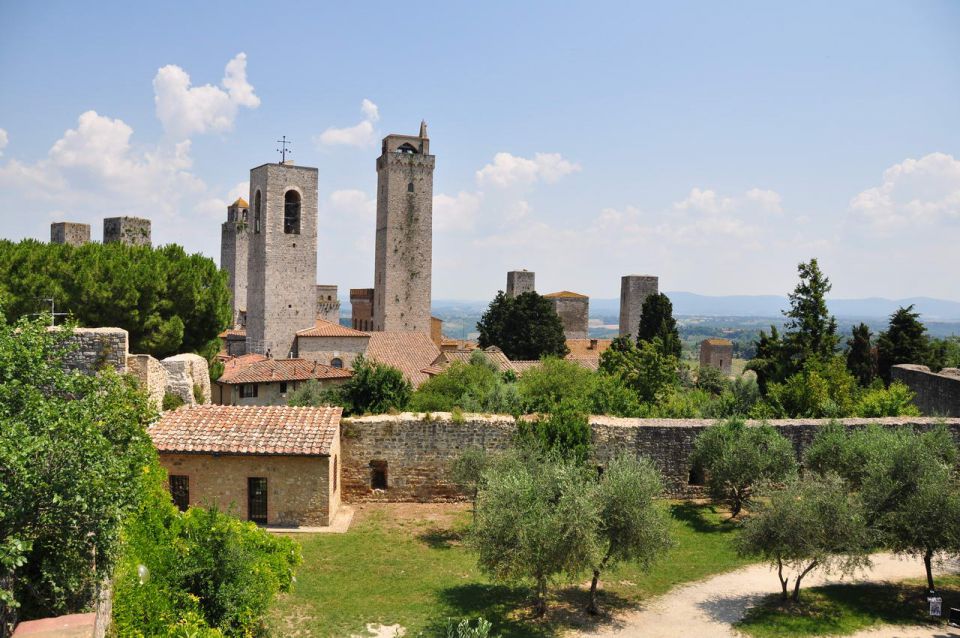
x=467, y=472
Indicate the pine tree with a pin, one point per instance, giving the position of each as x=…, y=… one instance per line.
x=861, y=357
x=656, y=321
x=904, y=341
x=812, y=332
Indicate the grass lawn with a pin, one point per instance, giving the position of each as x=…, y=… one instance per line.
x=406, y=564
x=845, y=609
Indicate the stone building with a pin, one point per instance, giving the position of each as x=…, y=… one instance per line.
x=361, y=308
x=234, y=239
x=253, y=379
x=328, y=304
x=331, y=344
x=282, y=257
x=574, y=311
x=276, y=465
x=717, y=353
x=404, y=244
x=937, y=393
x=233, y=342
x=70, y=233
x=133, y=231
x=519, y=282
x=634, y=290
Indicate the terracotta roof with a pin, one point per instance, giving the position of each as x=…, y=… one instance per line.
x=581, y=348
x=718, y=342
x=253, y=429
x=233, y=332
x=492, y=353
x=566, y=293
x=329, y=329
x=522, y=366
x=409, y=352
x=256, y=368
x=241, y=203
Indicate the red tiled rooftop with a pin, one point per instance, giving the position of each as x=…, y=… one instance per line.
x=233, y=332
x=256, y=430
x=329, y=329
x=256, y=368
x=566, y=294
x=409, y=352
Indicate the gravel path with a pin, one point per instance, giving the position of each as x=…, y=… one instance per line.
x=708, y=608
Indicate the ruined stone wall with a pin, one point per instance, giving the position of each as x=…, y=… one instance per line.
x=185, y=371
x=418, y=450
x=938, y=393
x=152, y=376
x=634, y=290
x=519, y=282
x=69, y=233
x=133, y=231
x=92, y=349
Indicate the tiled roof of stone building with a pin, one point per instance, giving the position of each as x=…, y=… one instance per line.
x=446, y=357
x=718, y=342
x=233, y=332
x=566, y=293
x=252, y=429
x=586, y=348
x=256, y=368
x=409, y=352
x=324, y=328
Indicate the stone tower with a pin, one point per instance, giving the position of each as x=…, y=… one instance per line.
x=634, y=290
x=133, y=231
x=69, y=233
x=574, y=312
x=234, y=237
x=328, y=304
x=361, y=308
x=519, y=282
x=404, y=234
x=282, y=257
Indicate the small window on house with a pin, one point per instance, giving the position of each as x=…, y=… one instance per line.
x=257, y=217
x=721, y=364
x=291, y=213
x=378, y=475
x=180, y=491
x=336, y=362
x=248, y=391
x=410, y=187
x=283, y=387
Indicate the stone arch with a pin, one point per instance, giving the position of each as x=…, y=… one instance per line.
x=291, y=212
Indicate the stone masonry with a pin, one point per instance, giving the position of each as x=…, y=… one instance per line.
x=93, y=349
x=361, y=308
x=151, y=374
x=328, y=304
x=184, y=371
x=519, y=282
x=133, y=231
x=938, y=393
x=404, y=244
x=717, y=353
x=282, y=258
x=574, y=312
x=70, y=233
x=234, y=240
x=634, y=290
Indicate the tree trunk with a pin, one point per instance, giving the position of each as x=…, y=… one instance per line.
x=928, y=563
x=796, y=582
x=540, y=602
x=783, y=581
x=736, y=505
x=593, y=608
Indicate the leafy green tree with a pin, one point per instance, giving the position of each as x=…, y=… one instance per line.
x=556, y=381
x=737, y=458
x=167, y=300
x=711, y=380
x=861, y=357
x=312, y=394
x=945, y=353
x=812, y=331
x=631, y=527
x=467, y=472
x=772, y=362
x=812, y=523
x=477, y=386
x=822, y=389
x=73, y=450
x=848, y=453
x=904, y=341
x=525, y=327
x=895, y=400
x=565, y=433
x=657, y=323
x=536, y=519
x=643, y=367
x=374, y=388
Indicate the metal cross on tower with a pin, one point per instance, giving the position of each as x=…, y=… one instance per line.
x=283, y=150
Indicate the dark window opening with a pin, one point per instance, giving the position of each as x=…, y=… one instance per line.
x=248, y=391
x=283, y=387
x=291, y=213
x=257, y=217
x=244, y=215
x=697, y=476
x=407, y=148
x=257, y=500
x=378, y=475
x=180, y=491
x=410, y=187
x=721, y=364
x=336, y=362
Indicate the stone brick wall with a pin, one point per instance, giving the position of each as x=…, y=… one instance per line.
x=69, y=233
x=938, y=393
x=234, y=240
x=185, y=371
x=717, y=353
x=634, y=290
x=152, y=376
x=297, y=486
x=361, y=308
x=324, y=349
x=519, y=282
x=92, y=349
x=574, y=312
x=418, y=451
x=328, y=305
x=267, y=393
x=134, y=231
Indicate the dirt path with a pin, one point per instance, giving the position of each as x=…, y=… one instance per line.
x=709, y=607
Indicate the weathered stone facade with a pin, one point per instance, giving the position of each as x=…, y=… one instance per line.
x=937, y=393
x=416, y=452
x=151, y=374
x=404, y=243
x=328, y=304
x=717, y=353
x=70, y=233
x=324, y=350
x=361, y=308
x=133, y=231
x=93, y=349
x=282, y=258
x=574, y=312
x=234, y=240
x=634, y=290
x=520, y=281
x=184, y=371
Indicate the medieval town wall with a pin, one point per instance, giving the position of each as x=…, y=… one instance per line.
x=93, y=349
x=152, y=376
x=937, y=393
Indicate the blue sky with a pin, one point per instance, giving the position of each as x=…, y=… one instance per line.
x=715, y=145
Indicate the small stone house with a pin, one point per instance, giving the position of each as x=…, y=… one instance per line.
x=255, y=379
x=272, y=465
x=717, y=353
x=331, y=344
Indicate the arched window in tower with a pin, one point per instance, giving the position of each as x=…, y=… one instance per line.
x=291, y=212
x=256, y=212
x=410, y=187
x=336, y=362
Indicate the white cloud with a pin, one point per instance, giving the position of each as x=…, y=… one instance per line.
x=184, y=109
x=353, y=202
x=916, y=191
x=768, y=200
x=706, y=201
x=456, y=213
x=361, y=135
x=508, y=169
x=4, y=139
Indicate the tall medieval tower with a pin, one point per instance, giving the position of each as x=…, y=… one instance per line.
x=404, y=249
x=282, y=257
x=233, y=254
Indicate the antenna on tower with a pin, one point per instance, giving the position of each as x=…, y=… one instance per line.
x=283, y=150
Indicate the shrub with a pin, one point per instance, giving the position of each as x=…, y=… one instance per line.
x=556, y=381
x=464, y=629
x=565, y=432
x=896, y=400
x=198, y=394
x=711, y=380
x=172, y=401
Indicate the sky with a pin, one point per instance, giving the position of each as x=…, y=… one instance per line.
x=716, y=145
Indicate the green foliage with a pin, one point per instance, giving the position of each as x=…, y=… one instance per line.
x=812, y=523
x=849, y=454
x=556, y=382
x=738, y=458
x=643, y=367
x=822, y=389
x=861, y=357
x=773, y=362
x=171, y=401
x=312, y=394
x=467, y=470
x=476, y=386
x=374, y=388
x=216, y=370
x=896, y=400
x=945, y=353
x=167, y=300
x=565, y=432
x=658, y=326
x=198, y=394
x=464, y=629
x=904, y=341
x=525, y=327
x=711, y=380
x=73, y=449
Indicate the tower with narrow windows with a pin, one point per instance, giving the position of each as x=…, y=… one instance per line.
x=404, y=246
x=282, y=257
